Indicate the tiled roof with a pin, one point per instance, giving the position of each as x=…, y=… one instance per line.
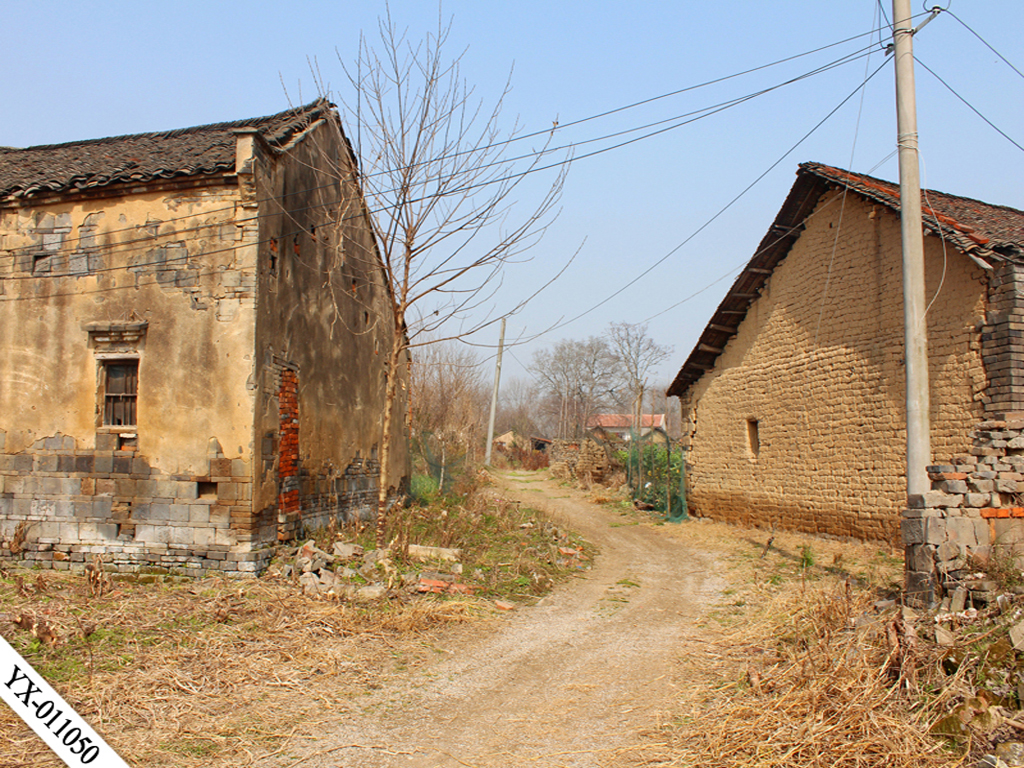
x=625, y=420
x=987, y=232
x=970, y=224
x=142, y=157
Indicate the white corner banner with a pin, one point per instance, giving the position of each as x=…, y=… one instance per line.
x=56, y=723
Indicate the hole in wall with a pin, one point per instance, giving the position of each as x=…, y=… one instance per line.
x=753, y=437
x=206, y=490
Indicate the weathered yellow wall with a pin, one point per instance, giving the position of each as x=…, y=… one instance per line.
x=818, y=364
x=196, y=357
x=323, y=310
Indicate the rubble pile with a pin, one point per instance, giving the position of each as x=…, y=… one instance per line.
x=352, y=573
x=974, y=642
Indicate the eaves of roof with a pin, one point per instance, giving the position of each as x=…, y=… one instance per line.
x=988, y=233
x=204, y=150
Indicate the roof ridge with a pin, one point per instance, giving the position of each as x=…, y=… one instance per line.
x=813, y=166
x=295, y=112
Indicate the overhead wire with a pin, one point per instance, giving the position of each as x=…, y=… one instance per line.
x=147, y=242
x=970, y=106
x=572, y=145
x=725, y=208
x=986, y=43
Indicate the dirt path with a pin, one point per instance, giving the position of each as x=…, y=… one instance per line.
x=573, y=681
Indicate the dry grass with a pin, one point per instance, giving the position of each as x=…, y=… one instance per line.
x=207, y=673
x=815, y=692
x=795, y=667
x=221, y=672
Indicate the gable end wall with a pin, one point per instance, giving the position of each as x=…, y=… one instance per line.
x=816, y=375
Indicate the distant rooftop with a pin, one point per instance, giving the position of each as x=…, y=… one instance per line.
x=625, y=421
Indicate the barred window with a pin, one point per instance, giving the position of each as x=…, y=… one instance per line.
x=120, y=392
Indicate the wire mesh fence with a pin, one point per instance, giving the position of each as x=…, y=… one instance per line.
x=656, y=473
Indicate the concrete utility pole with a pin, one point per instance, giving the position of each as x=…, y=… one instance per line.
x=494, y=396
x=919, y=454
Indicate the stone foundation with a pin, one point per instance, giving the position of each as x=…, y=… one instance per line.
x=975, y=510
x=61, y=505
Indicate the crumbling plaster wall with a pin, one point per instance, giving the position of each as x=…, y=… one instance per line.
x=324, y=315
x=170, y=264
x=801, y=423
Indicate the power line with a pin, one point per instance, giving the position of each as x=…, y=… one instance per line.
x=726, y=207
x=970, y=106
x=987, y=45
x=569, y=146
x=148, y=242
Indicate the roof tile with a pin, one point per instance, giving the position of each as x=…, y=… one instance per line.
x=142, y=157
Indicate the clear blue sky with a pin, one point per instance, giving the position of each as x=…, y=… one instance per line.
x=75, y=70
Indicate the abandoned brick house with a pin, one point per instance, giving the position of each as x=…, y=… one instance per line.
x=793, y=398
x=190, y=333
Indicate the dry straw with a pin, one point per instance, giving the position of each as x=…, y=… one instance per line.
x=802, y=687
x=206, y=673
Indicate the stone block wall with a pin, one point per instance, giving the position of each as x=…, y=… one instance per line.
x=61, y=504
x=1003, y=340
x=974, y=510
x=345, y=497
x=586, y=461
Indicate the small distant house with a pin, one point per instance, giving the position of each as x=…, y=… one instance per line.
x=512, y=439
x=508, y=440
x=793, y=397
x=192, y=326
x=620, y=425
x=540, y=443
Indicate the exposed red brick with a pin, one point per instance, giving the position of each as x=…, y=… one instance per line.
x=990, y=512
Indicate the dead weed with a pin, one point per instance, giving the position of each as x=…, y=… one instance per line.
x=204, y=673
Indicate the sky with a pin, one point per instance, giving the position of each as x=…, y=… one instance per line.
x=663, y=205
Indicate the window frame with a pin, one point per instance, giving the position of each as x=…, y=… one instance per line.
x=108, y=362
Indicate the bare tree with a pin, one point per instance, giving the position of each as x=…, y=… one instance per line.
x=449, y=401
x=578, y=378
x=440, y=181
x=637, y=355
x=660, y=402
x=517, y=409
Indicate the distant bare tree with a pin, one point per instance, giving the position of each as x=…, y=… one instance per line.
x=662, y=403
x=449, y=400
x=439, y=181
x=637, y=355
x=518, y=408
x=577, y=378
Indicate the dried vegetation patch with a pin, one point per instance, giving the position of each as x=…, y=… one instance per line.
x=221, y=672
x=205, y=672
x=807, y=661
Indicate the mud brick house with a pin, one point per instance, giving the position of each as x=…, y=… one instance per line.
x=190, y=344
x=793, y=397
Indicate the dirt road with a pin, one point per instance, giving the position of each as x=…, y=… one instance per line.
x=572, y=681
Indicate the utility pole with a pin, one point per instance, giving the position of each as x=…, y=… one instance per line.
x=494, y=396
x=915, y=327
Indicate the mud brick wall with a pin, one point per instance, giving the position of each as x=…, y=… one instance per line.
x=974, y=510
x=801, y=424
